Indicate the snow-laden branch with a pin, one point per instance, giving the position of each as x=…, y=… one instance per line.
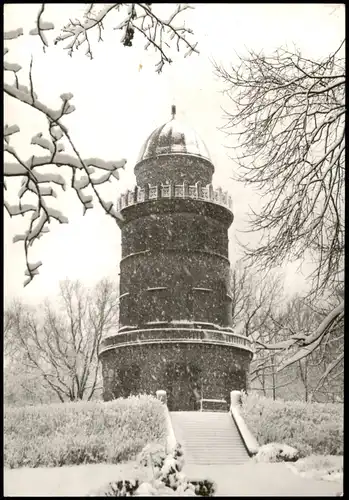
x=11, y=35
x=139, y=18
x=10, y=130
x=41, y=27
x=306, y=340
x=314, y=353
x=89, y=173
x=85, y=173
x=60, y=159
x=306, y=344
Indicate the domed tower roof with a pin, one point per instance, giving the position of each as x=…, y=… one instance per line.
x=173, y=138
x=174, y=153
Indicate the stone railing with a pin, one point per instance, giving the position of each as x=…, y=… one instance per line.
x=162, y=335
x=204, y=404
x=171, y=440
x=245, y=433
x=171, y=190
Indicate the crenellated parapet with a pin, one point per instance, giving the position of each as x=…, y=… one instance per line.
x=171, y=190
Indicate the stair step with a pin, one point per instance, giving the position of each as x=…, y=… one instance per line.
x=209, y=438
x=213, y=458
x=206, y=444
x=205, y=439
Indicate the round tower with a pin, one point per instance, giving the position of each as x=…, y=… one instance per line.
x=175, y=325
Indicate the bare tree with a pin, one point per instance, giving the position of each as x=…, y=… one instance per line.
x=39, y=173
x=254, y=296
x=23, y=385
x=263, y=371
x=61, y=345
x=317, y=376
x=256, y=299
x=288, y=115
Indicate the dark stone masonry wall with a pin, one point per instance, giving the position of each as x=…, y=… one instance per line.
x=179, y=275
x=174, y=168
x=181, y=231
x=187, y=371
x=175, y=265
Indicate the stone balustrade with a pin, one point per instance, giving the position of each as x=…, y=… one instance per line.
x=235, y=405
x=163, y=335
x=171, y=190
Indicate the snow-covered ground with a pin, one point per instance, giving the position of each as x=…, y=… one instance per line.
x=76, y=480
x=326, y=468
x=262, y=479
x=256, y=479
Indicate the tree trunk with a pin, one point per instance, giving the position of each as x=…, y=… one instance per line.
x=273, y=376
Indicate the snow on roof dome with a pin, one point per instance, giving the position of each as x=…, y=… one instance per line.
x=171, y=138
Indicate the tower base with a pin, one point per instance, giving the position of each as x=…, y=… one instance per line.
x=190, y=364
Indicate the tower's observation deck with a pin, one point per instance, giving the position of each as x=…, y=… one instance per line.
x=171, y=190
x=175, y=304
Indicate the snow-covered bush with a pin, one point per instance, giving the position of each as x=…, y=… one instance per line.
x=276, y=452
x=153, y=455
x=169, y=480
x=309, y=427
x=204, y=488
x=122, y=488
x=82, y=433
x=158, y=488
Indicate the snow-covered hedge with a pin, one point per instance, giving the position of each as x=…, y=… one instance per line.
x=276, y=452
x=81, y=433
x=309, y=427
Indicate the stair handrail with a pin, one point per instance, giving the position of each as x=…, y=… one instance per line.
x=171, y=440
x=205, y=400
x=247, y=436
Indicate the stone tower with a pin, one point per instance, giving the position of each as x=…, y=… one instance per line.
x=175, y=326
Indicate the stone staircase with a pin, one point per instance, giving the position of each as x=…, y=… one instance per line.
x=209, y=438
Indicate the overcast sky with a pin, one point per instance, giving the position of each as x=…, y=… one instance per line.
x=117, y=107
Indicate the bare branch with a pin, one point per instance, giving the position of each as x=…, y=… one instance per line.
x=140, y=18
x=288, y=114
x=33, y=180
x=137, y=17
x=311, y=342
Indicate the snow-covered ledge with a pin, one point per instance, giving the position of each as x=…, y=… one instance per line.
x=248, y=438
x=171, y=439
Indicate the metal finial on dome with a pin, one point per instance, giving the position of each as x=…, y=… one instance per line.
x=173, y=111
